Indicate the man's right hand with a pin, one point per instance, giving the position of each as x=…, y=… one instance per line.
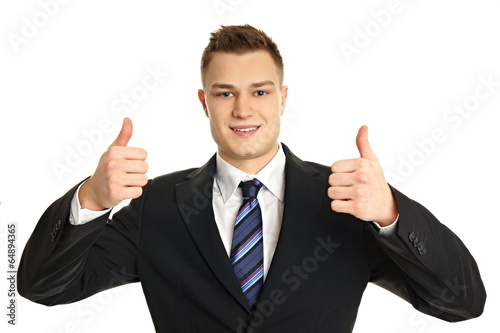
x=120, y=174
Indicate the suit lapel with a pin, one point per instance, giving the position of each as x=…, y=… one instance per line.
x=304, y=195
x=194, y=199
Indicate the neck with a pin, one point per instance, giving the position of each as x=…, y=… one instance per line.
x=250, y=166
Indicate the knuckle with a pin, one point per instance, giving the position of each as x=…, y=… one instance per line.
x=112, y=179
x=362, y=178
x=114, y=194
x=359, y=192
x=113, y=151
x=359, y=206
x=112, y=164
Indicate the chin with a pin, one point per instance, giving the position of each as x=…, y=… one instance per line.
x=242, y=151
x=246, y=153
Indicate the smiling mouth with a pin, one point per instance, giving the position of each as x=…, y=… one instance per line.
x=248, y=129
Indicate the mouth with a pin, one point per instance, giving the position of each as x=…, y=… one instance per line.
x=244, y=130
x=249, y=129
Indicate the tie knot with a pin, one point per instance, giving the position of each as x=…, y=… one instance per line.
x=250, y=188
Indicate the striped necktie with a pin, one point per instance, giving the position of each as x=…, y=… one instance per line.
x=247, y=250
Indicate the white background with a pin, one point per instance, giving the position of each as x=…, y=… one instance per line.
x=65, y=76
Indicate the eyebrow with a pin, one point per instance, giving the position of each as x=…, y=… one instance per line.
x=222, y=86
x=253, y=85
x=262, y=84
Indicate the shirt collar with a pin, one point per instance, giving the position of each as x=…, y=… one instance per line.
x=272, y=176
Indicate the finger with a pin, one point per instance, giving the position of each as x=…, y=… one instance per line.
x=136, y=179
x=345, y=165
x=342, y=206
x=341, y=179
x=132, y=192
x=127, y=153
x=128, y=179
x=130, y=166
x=135, y=153
x=140, y=167
x=364, y=148
x=125, y=133
x=341, y=193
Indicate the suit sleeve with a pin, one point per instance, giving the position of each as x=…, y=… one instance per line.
x=63, y=263
x=428, y=265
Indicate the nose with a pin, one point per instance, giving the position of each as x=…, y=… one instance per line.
x=243, y=108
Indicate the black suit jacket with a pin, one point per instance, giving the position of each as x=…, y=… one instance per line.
x=168, y=240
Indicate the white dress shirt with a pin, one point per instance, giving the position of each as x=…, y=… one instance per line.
x=227, y=198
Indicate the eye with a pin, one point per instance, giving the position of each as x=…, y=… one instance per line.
x=225, y=94
x=260, y=93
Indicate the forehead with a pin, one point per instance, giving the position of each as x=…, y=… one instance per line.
x=243, y=68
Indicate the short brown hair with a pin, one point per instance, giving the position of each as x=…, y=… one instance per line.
x=240, y=39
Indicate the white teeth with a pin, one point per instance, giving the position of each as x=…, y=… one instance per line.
x=244, y=129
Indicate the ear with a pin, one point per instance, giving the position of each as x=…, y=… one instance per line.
x=201, y=97
x=284, y=94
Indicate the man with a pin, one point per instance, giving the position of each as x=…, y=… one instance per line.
x=256, y=240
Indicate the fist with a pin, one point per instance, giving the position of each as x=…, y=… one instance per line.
x=358, y=186
x=120, y=174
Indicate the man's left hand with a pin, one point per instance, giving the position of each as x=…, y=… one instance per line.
x=358, y=186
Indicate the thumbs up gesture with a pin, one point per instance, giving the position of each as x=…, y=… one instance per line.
x=358, y=186
x=120, y=174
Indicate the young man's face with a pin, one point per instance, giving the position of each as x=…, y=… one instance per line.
x=244, y=100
